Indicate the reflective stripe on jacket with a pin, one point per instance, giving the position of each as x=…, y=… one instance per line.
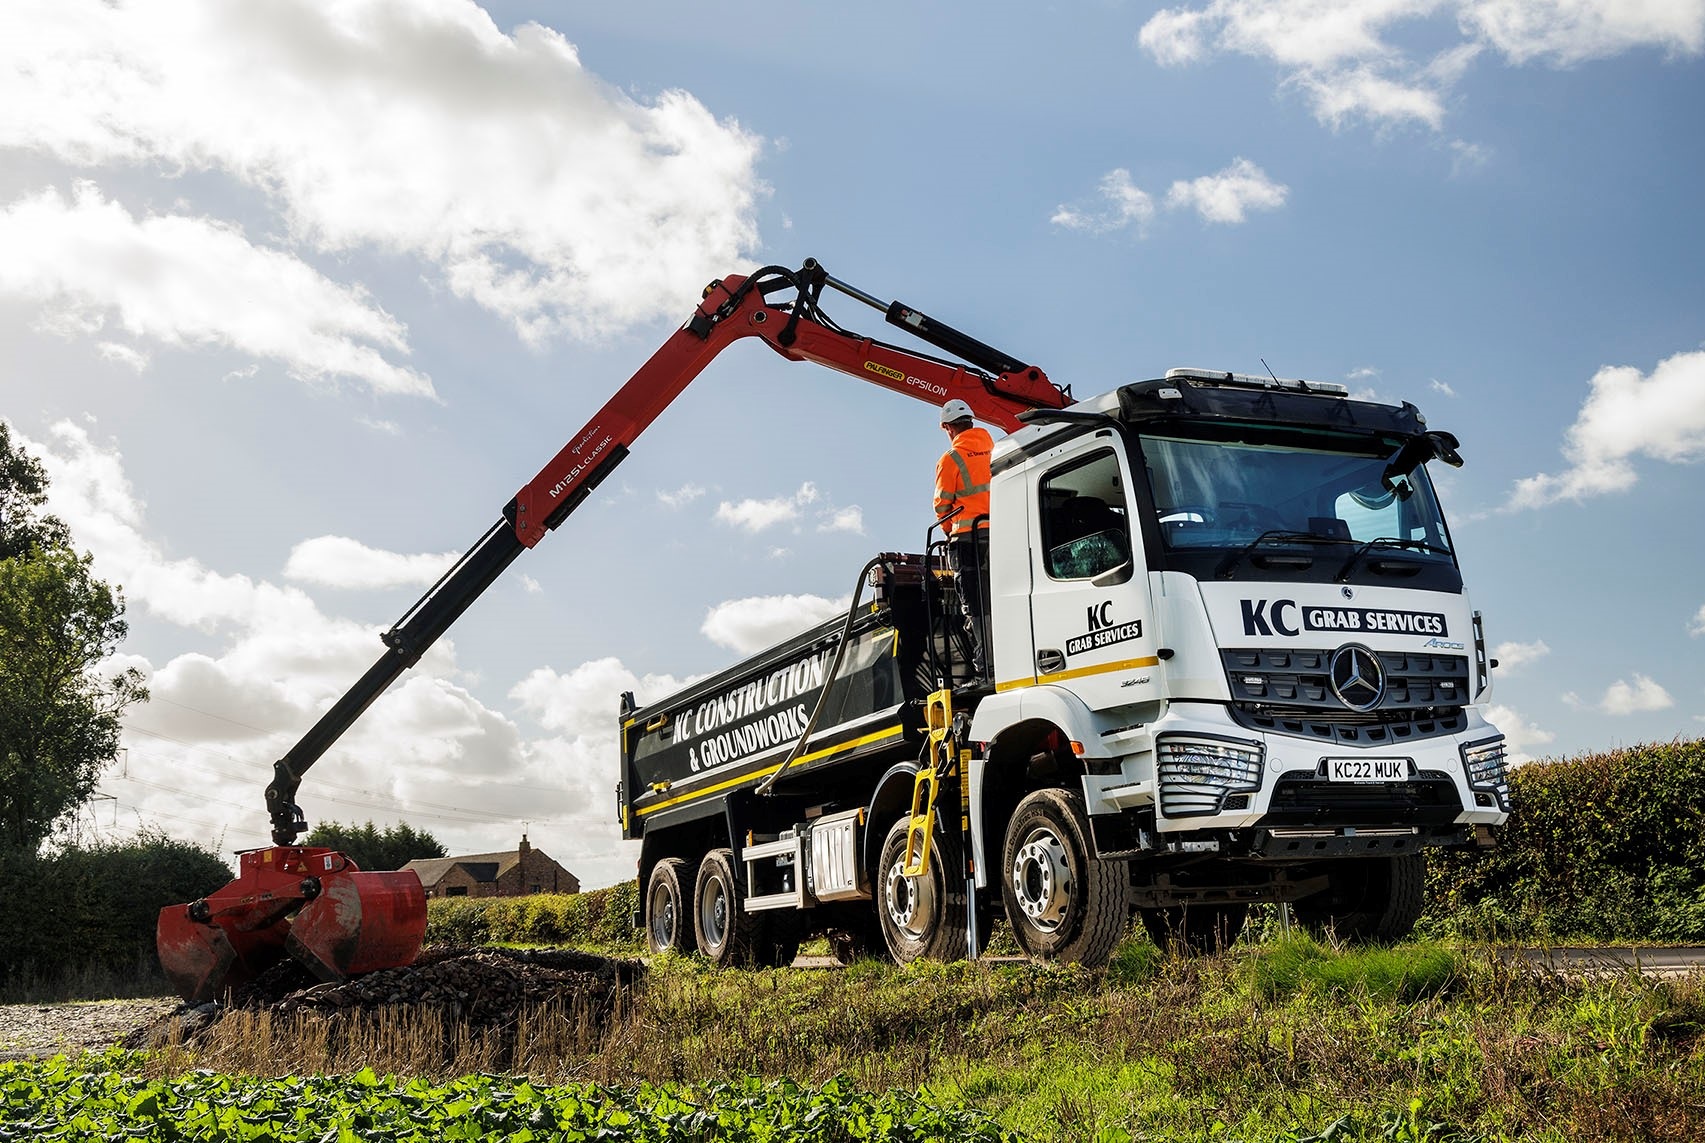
x=962, y=480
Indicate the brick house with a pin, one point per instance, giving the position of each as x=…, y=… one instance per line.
x=514, y=873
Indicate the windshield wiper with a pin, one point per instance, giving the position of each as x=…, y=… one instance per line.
x=1275, y=535
x=1385, y=542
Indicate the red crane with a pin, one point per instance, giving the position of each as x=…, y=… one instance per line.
x=315, y=904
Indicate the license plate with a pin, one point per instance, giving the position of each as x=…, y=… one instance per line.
x=1367, y=769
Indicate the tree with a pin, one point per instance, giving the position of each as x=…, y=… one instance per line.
x=59, y=712
x=374, y=849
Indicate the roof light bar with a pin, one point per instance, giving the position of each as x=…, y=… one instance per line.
x=1250, y=381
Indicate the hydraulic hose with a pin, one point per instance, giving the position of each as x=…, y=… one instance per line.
x=828, y=682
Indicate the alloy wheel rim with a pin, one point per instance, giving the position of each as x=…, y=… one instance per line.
x=1042, y=880
x=910, y=901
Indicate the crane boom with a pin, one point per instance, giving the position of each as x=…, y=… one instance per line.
x=997, y=387
x=315, y=904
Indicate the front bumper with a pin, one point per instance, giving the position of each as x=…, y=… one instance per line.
x=1203, y=773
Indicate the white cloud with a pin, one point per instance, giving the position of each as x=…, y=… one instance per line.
x=1466, y=156
x=416, y=127
x=757, y=515
x=1623, y=697
x=1228, y=195
x=1441, y=387
x=1343, y=96
x=336, y=561
x=1361, y=383
x=1569, y=31
x=582, y=703
x=267, y=662
x=122, y=355
x=1697, y=626
x=749, y=625
x=685, y=494
x=843, y=520
x=1122, y=205
x=1514, y=656
x=1626, y=415
x=182, y=281
x=1521, y=737
x=1347, y=57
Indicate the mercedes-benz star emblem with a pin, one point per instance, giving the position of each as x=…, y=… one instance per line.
x=1358, y=679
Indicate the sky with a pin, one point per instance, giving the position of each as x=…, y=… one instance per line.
x=296, y=294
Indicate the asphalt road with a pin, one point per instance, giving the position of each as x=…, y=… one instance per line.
x=1678, y=961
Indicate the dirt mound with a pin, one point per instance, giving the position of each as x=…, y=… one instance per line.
x=473, y=988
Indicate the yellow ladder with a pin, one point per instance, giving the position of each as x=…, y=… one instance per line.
x=942, y=753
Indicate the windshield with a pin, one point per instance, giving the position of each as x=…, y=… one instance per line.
x=1225, y=494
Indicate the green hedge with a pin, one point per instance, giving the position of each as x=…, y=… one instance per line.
x=81, y=922
x=602, y=917
x=1601, y=847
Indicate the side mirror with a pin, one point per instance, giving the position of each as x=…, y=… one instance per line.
x=1417, y=451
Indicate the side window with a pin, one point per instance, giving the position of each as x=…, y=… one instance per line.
x=1085, y=526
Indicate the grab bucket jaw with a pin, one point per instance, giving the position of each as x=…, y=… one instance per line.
x=311, y=903
x=360, y=922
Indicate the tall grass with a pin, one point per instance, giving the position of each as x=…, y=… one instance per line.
x=1283, y=1041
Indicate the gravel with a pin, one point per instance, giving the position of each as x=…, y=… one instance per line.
x=28, y=1030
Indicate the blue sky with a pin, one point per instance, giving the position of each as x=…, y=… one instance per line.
x=296, y=295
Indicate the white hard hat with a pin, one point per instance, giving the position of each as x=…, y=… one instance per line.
x=955, y=410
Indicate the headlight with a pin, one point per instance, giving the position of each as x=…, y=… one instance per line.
x=1197, y=774
x=1483, y=762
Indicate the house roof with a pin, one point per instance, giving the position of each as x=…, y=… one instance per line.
x=482, y=867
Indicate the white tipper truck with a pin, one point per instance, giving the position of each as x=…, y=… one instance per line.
x=1233, y=662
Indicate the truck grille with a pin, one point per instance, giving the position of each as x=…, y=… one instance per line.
x=1289, y=692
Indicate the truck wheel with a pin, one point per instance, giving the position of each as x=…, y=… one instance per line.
x=727, y=935
x=1367, y=899
x=1062, y=902
x=1195, y=930
x=666, y=927
x=920, y=916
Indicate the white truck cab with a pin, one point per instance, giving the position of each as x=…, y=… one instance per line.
x=1238, y=599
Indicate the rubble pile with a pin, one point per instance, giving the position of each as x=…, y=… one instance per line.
x=479, y=986
x=474, y=988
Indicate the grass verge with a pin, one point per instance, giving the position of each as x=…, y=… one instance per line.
x=1285, y=1041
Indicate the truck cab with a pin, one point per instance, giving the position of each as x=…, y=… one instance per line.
x=1237, y=600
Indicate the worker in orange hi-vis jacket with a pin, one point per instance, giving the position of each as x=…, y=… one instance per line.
x=962, y=507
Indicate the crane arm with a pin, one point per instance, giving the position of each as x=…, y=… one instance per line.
x=996, y=386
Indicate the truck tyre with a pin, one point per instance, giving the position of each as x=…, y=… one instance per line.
x=921, y=916
x=667, y=928
x=1062, y=902
x=726, y=934
x=1195, y=930
x=1375, y=899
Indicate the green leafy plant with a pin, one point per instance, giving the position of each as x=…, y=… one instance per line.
x=105, y=1097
